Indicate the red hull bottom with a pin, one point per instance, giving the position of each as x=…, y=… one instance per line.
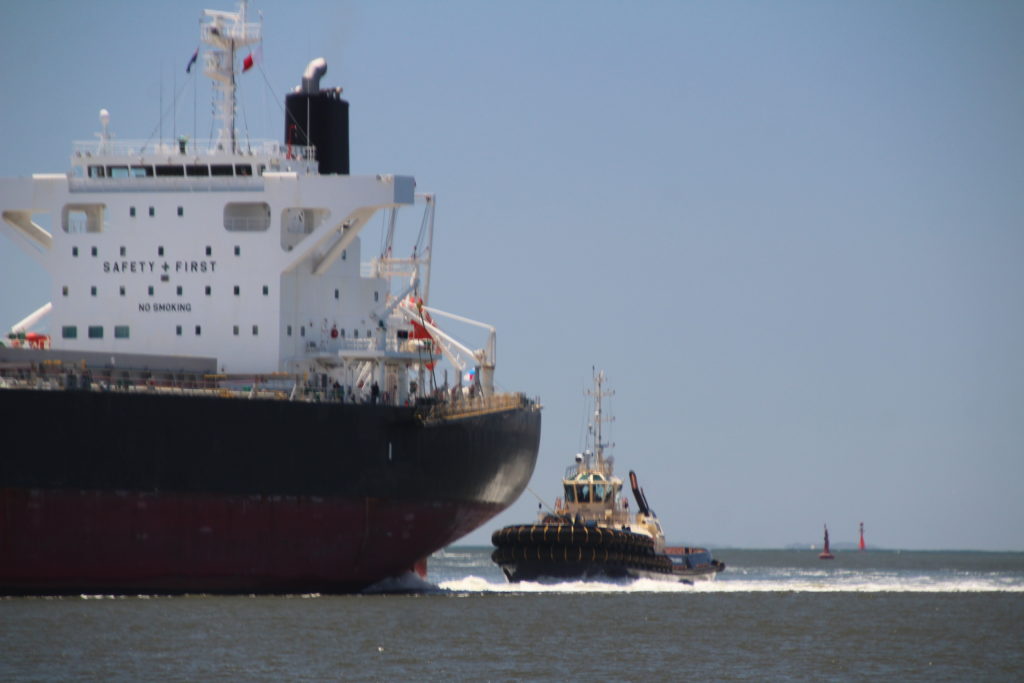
x=60, y=542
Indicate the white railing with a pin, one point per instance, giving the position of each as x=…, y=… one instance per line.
x=85, y=149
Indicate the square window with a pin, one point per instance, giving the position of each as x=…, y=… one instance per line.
x=94, y=251
x=181, y=210
x=92, y=290
x=238, y=250
x=120, y=331
x=266, y=290
x=199, y=330
x=255, y=330
x=121, y=288
x=74, y=251
x=376, y=296
x=335, y=294
x=302, y=331
x=69, y=332
x=159, y=251
x=64, y=290
x=208, y=290
x=124, y=251
x=289, y=328
x=131, y=211
x=177, y=330
x=209, y=251
x=179, y=290
x=95, y=331
x=152, y=211
x=151, y=290
x=236, y=290
x=234, y=330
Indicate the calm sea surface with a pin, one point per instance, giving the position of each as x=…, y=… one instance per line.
x=772, y=615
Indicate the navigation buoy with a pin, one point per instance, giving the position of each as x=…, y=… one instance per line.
x=826, y=554
x=862, y=535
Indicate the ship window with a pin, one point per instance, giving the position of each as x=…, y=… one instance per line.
x=120, y=331
x=124, y=251
x=142, y=171
x=152, y=211
x=159, y=251
x=246, y=216
x=92, y=290
x=302, y=331
x=584, y=493
x=117, y=171
x=82, y=218
x=95, y=331
x=355, y=333
x=179, y=290
x=222, y=169
x=131, y=211
x=96, y=172
x=289, y=332
x=266, y=290
x=94, y=251
x=238, y=250
x=376, y=296
x=199, y=330
x=165, y=278
x=74, y=251
x=243, y=169
x=177, y=330
x=64, y=290
x=151, y=290
x=335, y=293
x=234, y=330
x=208, y=290
x=255, y=330
x=197, y=170
x=122, y=290
x=209, y=251
x=181, y=210
x=237, y=290
x=570, y=493
x=170, y=170
x=69, y=332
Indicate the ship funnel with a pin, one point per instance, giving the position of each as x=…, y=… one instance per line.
x=319, y=119
x=312, y=75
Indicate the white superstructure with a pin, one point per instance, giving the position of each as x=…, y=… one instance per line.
x=235, y=249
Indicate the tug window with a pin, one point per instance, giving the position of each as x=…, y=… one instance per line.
x=584, y=495
x=570, y=493
x=598, y=493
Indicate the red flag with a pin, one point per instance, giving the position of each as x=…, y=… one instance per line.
x=252, y=59
x=247, y=64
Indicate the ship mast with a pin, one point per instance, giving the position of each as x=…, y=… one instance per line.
x=598, y=393
x=226, y=33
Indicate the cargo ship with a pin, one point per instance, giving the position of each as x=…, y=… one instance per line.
x=222, y=395
x=591, y=535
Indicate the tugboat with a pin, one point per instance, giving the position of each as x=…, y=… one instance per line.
x=591, y=535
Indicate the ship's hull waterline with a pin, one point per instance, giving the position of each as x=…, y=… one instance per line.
x=121, y=492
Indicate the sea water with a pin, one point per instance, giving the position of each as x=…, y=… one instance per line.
x=772, y=615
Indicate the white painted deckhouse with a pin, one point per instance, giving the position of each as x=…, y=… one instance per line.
x=247, y=251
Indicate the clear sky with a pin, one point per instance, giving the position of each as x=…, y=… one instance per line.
x=792, y=233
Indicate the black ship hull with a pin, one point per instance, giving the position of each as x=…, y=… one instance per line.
x=152, y=492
